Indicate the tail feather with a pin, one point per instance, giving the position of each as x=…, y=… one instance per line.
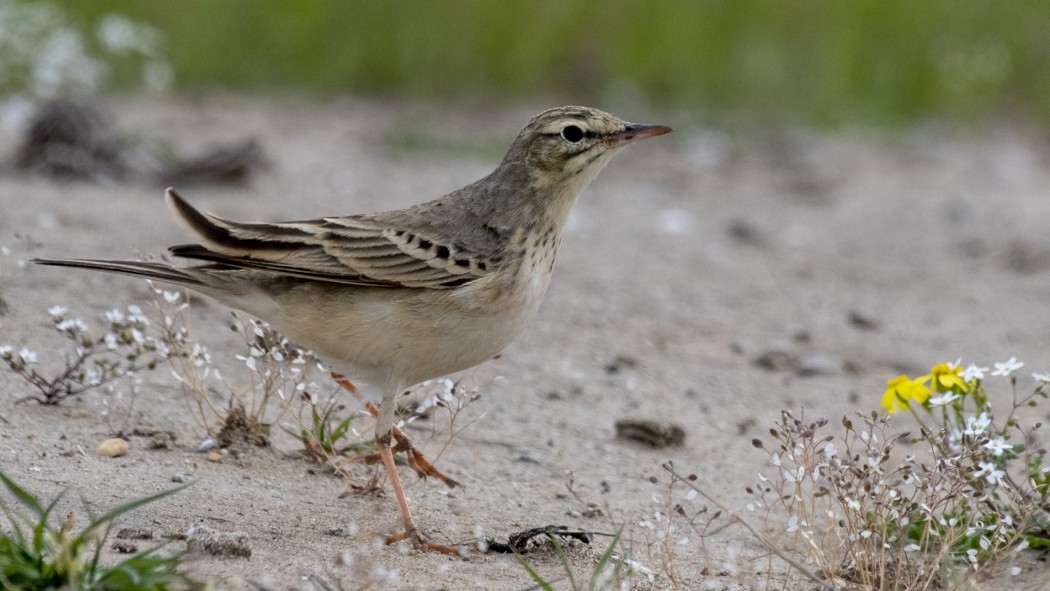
x=234, y=238
x=149, y=270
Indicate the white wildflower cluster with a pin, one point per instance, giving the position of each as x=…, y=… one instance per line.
x=669, y=529
x=961, y=500
x=126, y=344
x=274, y=368
x=44, y=55
x=277, y=365
x=443, y=394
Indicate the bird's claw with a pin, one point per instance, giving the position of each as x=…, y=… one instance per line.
x=421, y=541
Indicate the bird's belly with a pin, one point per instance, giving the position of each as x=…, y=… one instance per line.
x=398, y=338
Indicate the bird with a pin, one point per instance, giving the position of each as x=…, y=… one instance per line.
x=395, y=298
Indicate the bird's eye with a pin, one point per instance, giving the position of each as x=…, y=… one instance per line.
x=572, y=133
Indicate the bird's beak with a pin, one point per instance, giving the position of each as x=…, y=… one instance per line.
x=636, y=131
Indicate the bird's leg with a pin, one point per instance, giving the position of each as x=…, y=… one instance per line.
x=386, y=454
x=416, y=460
x=412, y=531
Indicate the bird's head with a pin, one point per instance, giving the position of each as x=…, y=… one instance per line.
x=573, y=144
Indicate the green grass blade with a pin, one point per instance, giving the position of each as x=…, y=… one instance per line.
x=22, y=495
x=540, y=582
x=564, y=561
x=604, y=560
x=13, y=520
x=130, y=506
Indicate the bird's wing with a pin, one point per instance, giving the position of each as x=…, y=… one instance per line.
x=355, y=250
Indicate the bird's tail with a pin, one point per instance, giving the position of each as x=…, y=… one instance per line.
x=149, y=270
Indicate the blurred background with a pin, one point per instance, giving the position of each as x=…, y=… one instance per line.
x=825, y=64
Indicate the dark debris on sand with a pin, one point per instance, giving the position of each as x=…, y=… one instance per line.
x=74, y=140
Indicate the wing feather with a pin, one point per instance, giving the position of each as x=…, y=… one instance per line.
x=357, y=250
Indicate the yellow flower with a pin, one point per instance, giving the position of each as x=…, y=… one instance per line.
x=946, y=378
x=900, y=390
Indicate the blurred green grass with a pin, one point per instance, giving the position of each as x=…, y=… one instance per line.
x=816, y=62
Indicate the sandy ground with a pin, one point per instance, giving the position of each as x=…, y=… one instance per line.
x=691, y=256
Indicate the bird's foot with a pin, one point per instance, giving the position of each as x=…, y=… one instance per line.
x=421, y=541
x=416, y=460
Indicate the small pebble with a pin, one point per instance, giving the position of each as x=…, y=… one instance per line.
x=206, y=445
x=214, y=456
x=178, y=477
x=112, y=448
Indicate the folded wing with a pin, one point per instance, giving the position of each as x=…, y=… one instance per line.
x=356, y=250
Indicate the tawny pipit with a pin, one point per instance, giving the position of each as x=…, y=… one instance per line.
x=399, y=297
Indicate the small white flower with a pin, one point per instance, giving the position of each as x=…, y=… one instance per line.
x=775, y=459
x=57, y=311
x=1015, y=570
x=989, y=472
x=5, y=351
x=162, y=349
x=73, y=325
x=172, y=296
x=200, y=355
x=1041, y=377
x=28, y=357
x=972, y=372
x=943, y=399
x=1007, y=367
x=114, y=316
x=830, y=451
x=912, y=548
x=92, y=376
x=690, y=495
x=795, y=523
x=997, y=446
x=977, y=425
